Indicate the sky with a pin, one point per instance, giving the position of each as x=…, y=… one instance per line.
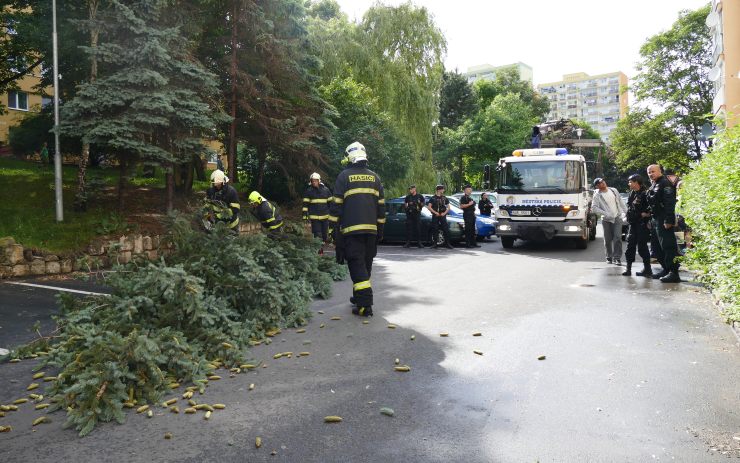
x=554, y=37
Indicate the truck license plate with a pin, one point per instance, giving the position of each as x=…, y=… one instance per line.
x=521, y=212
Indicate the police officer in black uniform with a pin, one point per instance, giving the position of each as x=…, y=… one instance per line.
x=662, y=199
x=413, y=203
x=316, y=202
x=358, y=217
x=467, y=204
x=638, y=234
x=439, y=206
x=485, y=205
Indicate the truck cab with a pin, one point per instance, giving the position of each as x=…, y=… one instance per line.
x=543, y=194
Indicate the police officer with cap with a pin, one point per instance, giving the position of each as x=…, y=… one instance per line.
x=439, y=206
x=413, y=204
x=467, y=204
x=357, y=218
x=662, y=199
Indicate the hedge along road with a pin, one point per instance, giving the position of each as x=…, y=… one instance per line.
x=634, y=370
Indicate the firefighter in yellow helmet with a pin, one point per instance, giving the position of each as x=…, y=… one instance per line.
x=221, y=191
x=357, y=219
x=316, y=202
x=267, y=214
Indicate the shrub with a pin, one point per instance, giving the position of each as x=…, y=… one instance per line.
x=710, y=201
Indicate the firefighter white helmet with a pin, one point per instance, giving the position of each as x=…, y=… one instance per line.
x=315, y=176
x=219, y=177
x=355, y=152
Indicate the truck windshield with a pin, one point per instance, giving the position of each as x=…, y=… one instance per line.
x=541, y=176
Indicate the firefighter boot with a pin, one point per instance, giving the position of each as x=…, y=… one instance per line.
x=672, y=277
x=628, y=271
x=363, y=311
x=660, y=274
x=647, y=270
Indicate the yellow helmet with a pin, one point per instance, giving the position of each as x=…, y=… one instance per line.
x=255, y=198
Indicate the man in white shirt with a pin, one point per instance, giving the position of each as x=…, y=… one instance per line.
x=608, y=204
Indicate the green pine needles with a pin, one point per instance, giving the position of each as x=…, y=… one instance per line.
x=172, y=322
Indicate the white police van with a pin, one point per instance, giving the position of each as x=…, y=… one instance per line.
x=544, y=194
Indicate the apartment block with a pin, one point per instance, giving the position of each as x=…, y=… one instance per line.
x=599, y=100
x=724, y=23
x=488, y=72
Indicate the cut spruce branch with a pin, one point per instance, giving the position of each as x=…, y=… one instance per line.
x=174, y=322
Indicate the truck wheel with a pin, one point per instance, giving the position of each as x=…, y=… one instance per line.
x=592, y=233
x=581, y=243
x=507, y=241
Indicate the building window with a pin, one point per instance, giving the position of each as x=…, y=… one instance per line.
x=18, y=100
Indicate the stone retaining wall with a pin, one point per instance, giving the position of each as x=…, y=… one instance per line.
x=17, y=261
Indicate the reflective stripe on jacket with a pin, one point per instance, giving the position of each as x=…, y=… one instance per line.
x=316, y=202
x=359, y=203
x=268, y=216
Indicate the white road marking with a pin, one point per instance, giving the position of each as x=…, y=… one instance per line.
x=56, y=288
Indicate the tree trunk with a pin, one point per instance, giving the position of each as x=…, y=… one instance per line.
x=187, y=186
x=232, y=128
x=288, y=180
x=261, y=158
x=81, y=197
x=170, y=188
x=461, y=171
x=121, y=182
x=200, y=171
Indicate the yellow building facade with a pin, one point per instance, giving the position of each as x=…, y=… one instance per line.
x=724, y=23
x=22, y=101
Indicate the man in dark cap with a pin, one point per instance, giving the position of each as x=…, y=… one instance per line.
x=439, y=206
x=467, y=204
x=413, y=204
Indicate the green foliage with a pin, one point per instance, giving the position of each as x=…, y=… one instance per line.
x=495, y=131
x=509, y=81
x=359, y=118
x=397, y=52
x=673, y=74
x=167, y=322
x=457, y=100
x=710, y=201
x=641, y=139
x=151, y=102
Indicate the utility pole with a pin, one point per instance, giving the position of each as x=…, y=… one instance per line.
x=58, y=153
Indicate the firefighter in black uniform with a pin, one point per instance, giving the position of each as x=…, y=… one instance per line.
x=316, y=201
x=439, y=206
x=485, y=206
x=267, y=214
x=220, y=191
x=357, y=220
x=467, y=204
x=413, y=203
x=638, y=234
x=662, y=199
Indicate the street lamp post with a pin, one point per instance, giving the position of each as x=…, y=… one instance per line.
x=58, y=153
x=579, y=132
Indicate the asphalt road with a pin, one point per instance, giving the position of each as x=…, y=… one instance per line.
x=635, y=370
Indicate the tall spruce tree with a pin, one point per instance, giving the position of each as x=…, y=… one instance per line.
x=151, y=100
x=260, y=51
x=457, y=100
